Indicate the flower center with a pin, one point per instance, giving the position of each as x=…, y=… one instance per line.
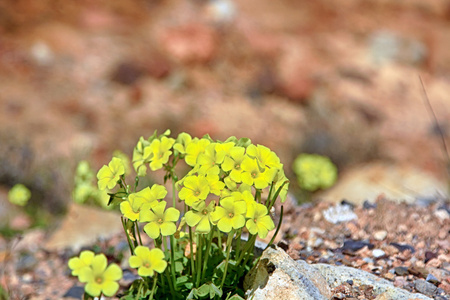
x=231, y=215
x=197, y=193
x=99, y=280
x=147, y=265
x=205, y=212
x=160, y=221
x=253, y=174
x=237, y=166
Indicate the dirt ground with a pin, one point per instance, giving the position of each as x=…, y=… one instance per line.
x=80, y=80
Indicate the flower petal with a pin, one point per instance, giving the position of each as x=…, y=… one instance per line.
x=168, y=228
x=109, y=288
x=171, y=214
x=113, y=272
x=152, y=229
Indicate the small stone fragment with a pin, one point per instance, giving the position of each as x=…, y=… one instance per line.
x=339, y=213
x=432, y=279
x=401, y=271
x=378, y=253
x=353, y=245
x=403, y=247
x=424, y=287
x=380, y=235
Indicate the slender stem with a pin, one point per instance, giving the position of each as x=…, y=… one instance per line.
x=250, y=242
x=130, y=243
x=208, y=248
x=238, y=242
x=139, y=233
x=172, y=292
x=219, y=239
x=258, y=196
x=192, y=253
x=155, y=280
x=199, y=259
x=230, y=238
x=278, y=228
x=270, y=192
x=172, y=261
x=173, y=193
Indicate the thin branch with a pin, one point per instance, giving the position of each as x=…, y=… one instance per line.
x=436, y=124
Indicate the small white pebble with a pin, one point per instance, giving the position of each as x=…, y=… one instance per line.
x=378, y=253
x=380, y=235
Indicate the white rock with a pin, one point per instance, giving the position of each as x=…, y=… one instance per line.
x=380, y=235
x=378, y=253
x=339, y=213
x=278, y=276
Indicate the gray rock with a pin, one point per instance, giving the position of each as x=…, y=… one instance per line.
x=337, y=275
x=425, y=287
x=277, y=276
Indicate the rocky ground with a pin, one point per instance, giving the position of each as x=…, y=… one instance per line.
x=409, y=247
x=79, y=81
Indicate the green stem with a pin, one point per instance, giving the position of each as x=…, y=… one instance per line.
x=138, y=232
x=270, y=192
x=208, y=248
x=130, y=243
x=230, y=238
x=155, y=280
x=199, y=259
x=192, y=254
x=250, y=242
x=173, y=193
x=258, y=196
x=278, y=229
x=238, y=242
x=172, y=261
x=172, y=292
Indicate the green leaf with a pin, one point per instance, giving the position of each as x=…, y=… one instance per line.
x=178, y=266
x=182, y=280
x=192, y=294
x=216, y=290
x=244, y=142
x=203, y=290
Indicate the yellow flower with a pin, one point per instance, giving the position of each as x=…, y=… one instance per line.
x=233, y=163
x=200, y=217
x=19, y=194
x=264, y=156
x=100, y=278
x=161, y=221
x=183, y=140
x=78, y=263
x=148, y=261
x=230, y=214
x=139, y=159
x=193, y=150
x=259, y=221
x=195, y=188
x=253, y=175
x=160, y=150
x=109, y=175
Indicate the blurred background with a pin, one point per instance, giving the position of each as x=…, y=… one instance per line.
x=81, y=79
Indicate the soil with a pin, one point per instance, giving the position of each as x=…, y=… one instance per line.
x=79, y=81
